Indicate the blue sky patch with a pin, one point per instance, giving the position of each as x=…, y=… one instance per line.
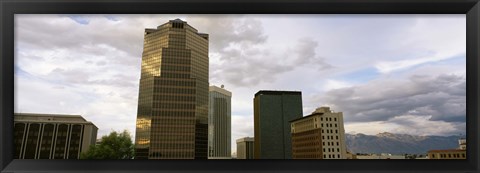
x=79, y=19
x=112, y=18
x=361, y=76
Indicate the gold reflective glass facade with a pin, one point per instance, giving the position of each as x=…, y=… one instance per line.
x=172, y=117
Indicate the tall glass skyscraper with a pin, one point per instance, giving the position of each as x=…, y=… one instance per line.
x=172, y=114
x=219, y=123
x=272, y=111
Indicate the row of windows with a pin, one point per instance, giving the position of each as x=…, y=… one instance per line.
x=331, y=149
x=330, y=137
x=305, y=144
x=175, y=90
x=329, y=131
x=327, y=119
x=45, y=143
x=331, y=156
x=449, y=155
x=329, y=125
x=306, y=150
x=306, y=156
x=330, y=144
x=170, y=106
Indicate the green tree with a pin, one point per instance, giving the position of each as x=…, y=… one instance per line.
x=114, y=146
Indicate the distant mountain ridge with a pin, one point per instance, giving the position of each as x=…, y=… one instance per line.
x=399, y=143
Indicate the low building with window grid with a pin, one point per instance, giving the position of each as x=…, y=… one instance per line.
x=459, y=153
x=320, y=135
x=447, y=154
x=52, y=136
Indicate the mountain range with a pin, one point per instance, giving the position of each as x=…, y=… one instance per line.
x=399, y=143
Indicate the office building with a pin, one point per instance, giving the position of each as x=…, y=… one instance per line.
x=172, y=114
x=245, y=148
x=219, y=123
x=447, y=154
x=52, y=136
x=272, y=112
x=458, y=153
x=320, y=135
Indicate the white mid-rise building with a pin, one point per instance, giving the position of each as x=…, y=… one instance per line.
x=219, y=123
x=329, y=126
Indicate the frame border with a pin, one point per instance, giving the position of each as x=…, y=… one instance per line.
x=8, y=8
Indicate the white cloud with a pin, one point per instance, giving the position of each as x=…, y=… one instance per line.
x=387, y=67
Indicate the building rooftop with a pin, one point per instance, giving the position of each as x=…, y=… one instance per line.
x=273, y=92
x=245, y=139
x=50, y=118
x=446, y=150
x=319, y=111
x=220, y=90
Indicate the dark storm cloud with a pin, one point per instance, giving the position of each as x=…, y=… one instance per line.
x=441, y=96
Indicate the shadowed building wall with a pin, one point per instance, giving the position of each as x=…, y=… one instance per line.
x=272, y=112
x=172, y=114
x=52, y=136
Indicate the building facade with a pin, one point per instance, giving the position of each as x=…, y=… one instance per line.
x=219, y=123
x=458, y=153
x=447, y=154
x=320, y=135
x=462, y=144
x=245, y=148
x=172, y=114
x=52, y=136
x=272, y=112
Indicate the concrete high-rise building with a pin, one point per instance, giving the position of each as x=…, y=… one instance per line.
x=219, y=123
x=320, y=135
x=172, y=114
x=245, y=148
x=272, y=112
x=52, y=136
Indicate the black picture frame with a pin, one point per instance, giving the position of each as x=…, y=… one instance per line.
x=8, y=8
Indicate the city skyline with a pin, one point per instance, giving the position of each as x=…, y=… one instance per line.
x=244, y=56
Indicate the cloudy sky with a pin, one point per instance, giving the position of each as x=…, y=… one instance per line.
x=386, y=73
